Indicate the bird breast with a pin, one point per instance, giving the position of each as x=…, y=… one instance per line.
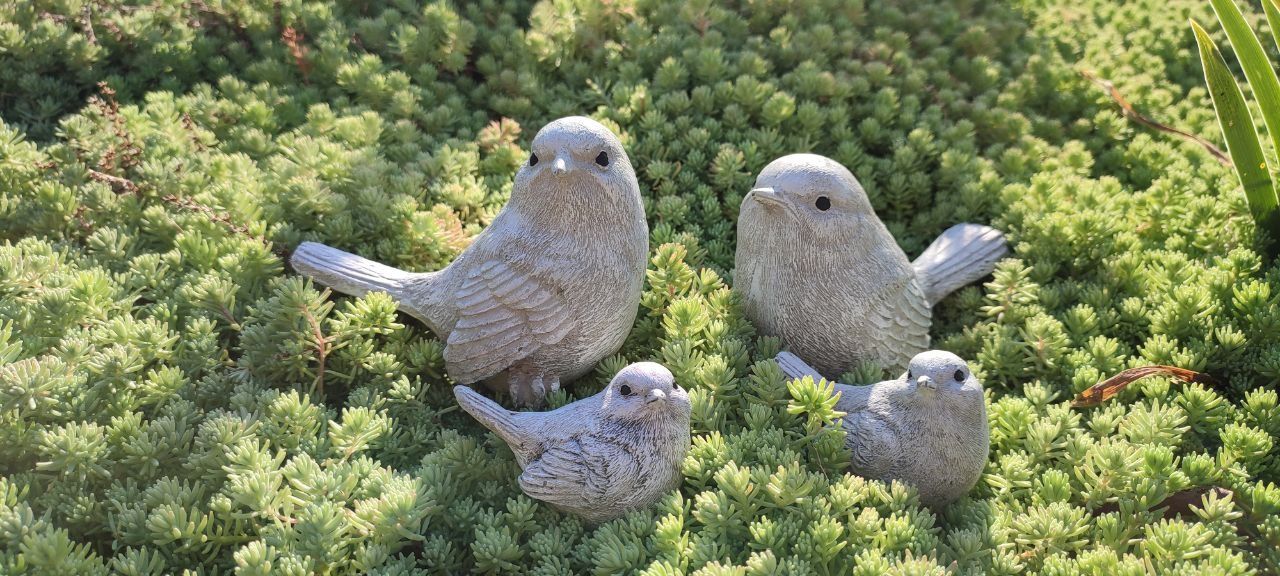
x=943, y=449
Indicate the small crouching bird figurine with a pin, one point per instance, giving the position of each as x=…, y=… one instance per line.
x=550, y=288
x=602, y=456
x=928, y=428
x=817, y=269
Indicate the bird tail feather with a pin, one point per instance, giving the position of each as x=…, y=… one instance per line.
x=794, y=367
x=961, y=255
x=487, y=412
x=348, y=273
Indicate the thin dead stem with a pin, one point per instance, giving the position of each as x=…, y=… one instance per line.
x=1145, y=120
x=322, y=349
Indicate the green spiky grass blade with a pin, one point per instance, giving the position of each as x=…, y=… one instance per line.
x=1241, y=135
x=1272, y=8
x=1253, y=59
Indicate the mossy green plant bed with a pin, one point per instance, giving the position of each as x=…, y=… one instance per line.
x=173, y=399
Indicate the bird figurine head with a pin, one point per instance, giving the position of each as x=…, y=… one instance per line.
x=808, y=198
x=645, y=391
x=577, y=169
x=943, y=377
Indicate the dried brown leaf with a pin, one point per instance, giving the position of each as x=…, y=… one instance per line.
x=292, y=39
x=1109, y=388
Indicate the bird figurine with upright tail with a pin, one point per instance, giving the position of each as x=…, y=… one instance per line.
x=817, y=269
x=548, y=289
x=928, y=428
x=602, y=456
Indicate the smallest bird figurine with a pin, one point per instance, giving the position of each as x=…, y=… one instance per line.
x=601, y=456
x=928, y=428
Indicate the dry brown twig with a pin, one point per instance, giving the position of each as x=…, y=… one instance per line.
x=124, y=153
x=1145, y=120
x=322, y=349
x=86, y=20
x=117, y=183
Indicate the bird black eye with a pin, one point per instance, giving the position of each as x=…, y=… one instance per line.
x=602, y=159
x=959, y=375
x=823, y=203
x=533, y=159
x=908, y=374
x=625, y=390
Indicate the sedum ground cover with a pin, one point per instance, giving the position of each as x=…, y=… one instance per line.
x=173, y=399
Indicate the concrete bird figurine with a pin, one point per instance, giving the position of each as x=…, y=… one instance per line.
x=818, y=269
x=602, y=456
x=928, y=428
x=548, y=289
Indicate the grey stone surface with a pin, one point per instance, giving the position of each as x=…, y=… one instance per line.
x=818, y=269
x=548, y=289
x=602, y=456
x=928, y=428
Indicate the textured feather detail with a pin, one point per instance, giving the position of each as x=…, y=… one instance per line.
x=504, y=316
x=902, y=319
x=873, y=444
x=577, y=473
x=355, y=275
x=795, y=368
x=501, y=421
x=962, y=254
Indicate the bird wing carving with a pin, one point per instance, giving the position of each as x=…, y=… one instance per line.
x=504, y=316
x=873, y=443
x=902, y=317
x=578, y=472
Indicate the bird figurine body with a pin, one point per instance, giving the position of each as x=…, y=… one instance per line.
x=928, y=428
x=819, y=270
x=601, y=456
x=548, y=289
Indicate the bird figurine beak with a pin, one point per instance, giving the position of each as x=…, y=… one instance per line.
x=558, y=167
x=654, y=396
x=766, y=195
x=925, y=382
